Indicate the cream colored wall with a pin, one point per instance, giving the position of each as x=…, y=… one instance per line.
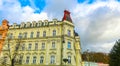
x=61, y=29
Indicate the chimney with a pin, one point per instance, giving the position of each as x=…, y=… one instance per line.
x=67, y=16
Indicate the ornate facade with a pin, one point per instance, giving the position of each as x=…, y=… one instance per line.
x=44, y=43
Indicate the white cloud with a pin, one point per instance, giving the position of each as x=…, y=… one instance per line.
x=13, y=12
x=29, y=15
x=97, y=24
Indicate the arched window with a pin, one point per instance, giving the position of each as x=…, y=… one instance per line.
x=54, y=32
x=41, y=59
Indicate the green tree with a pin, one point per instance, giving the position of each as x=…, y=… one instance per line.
x=115, y=54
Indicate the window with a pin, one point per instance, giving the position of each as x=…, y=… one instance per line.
x=69, y=33
x=34, y=59
x=11, y=36
x=17, y=47
x=25, y=35
x=69, y=45
x=52, y=59
x=69, y=59
x=23, y=47
x=5, y=60
x=29, y=47
x=20, y=35
x=20, y=60
x=8, y=46
x=31, y=36
x=41, y=59
x=44, y=33
x=38, y=34
x=54, y=32
x=36, y=46
x=53, y=44
x=27, y=59
x=43, y=45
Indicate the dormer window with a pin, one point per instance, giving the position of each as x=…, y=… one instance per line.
x=28, y=24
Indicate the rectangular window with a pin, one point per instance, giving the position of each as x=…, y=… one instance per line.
x=41, y=59
x=69, y=33
x=54, y=32
x=69, y=59
x=34, y=59
x=20, y=60
x=52, y=59
x=36, y=46
x=8, y=46
x=69, y=45
x=44, y=33
x=27, y=59
x=11, y=36
x=29, y=46
x=23, y=47
x=38, y=34
x=43, y=45
x=31, y=36
x=20, y=36
x=17, y=47
x=53, y=45
x=25, y=35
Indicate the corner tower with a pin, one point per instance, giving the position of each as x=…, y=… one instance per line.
x=67, y=16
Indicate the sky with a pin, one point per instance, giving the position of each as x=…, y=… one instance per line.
x=96, y=21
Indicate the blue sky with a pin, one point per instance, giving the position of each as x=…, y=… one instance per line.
x=96, y=21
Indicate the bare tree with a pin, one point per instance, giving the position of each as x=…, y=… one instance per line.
x=12, y=47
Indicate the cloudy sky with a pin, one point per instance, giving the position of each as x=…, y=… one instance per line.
x=96, y=21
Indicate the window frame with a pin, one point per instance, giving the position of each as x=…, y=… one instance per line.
x=54, y=32
x=52, y=59
x=27, y=59
x=69, y=45
x=41, y=59
x=34, y=59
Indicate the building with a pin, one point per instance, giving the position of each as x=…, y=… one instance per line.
x=85, y=63
x=3, y=33
x=102, y=64
x=47, y=43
